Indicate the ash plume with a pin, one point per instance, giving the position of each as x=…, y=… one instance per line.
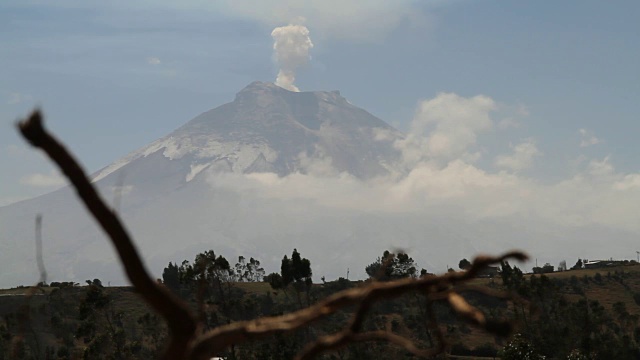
x=290, y=51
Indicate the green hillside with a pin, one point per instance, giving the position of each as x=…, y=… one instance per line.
x=591, y=311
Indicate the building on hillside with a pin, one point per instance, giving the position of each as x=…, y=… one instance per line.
x=595, y=264
x=547, y=268
x=489, y=272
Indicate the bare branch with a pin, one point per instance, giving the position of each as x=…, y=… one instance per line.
x=186, y=344
x=466, y=311
x=221, y=337
x=178, y=316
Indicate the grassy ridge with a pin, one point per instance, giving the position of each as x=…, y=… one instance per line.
x=614, y=285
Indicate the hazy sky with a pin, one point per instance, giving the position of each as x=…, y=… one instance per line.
x=561, y=78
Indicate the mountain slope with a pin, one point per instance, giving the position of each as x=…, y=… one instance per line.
x=265, y=129
x=272, y=171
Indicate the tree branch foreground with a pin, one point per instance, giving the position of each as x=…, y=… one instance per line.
x=187, y=340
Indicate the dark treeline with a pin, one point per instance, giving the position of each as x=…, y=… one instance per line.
x=558, y=318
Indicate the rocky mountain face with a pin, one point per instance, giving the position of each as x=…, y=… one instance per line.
x=270, y=129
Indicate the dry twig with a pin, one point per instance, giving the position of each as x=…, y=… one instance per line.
x=187, y=343
x=181, y=321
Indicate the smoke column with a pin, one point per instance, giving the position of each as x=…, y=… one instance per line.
x=291, y=45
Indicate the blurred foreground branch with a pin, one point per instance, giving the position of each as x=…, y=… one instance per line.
x=179, y=318
x=187, y=342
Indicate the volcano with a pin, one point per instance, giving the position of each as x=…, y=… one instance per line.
x=163, y=190
x=270, y=129
x=271, y=171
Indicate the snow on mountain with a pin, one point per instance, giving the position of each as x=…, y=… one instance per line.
x=268, y=128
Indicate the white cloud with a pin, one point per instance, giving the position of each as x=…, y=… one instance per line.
x=522, y=157
x=599, y=169
x=628, y=182
x=588, y=138
x=445, y=127
x=322, y=167
x=596, y=195
x=52, y=179
x=153, y=61
x=442, y=181
x=384, y=134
